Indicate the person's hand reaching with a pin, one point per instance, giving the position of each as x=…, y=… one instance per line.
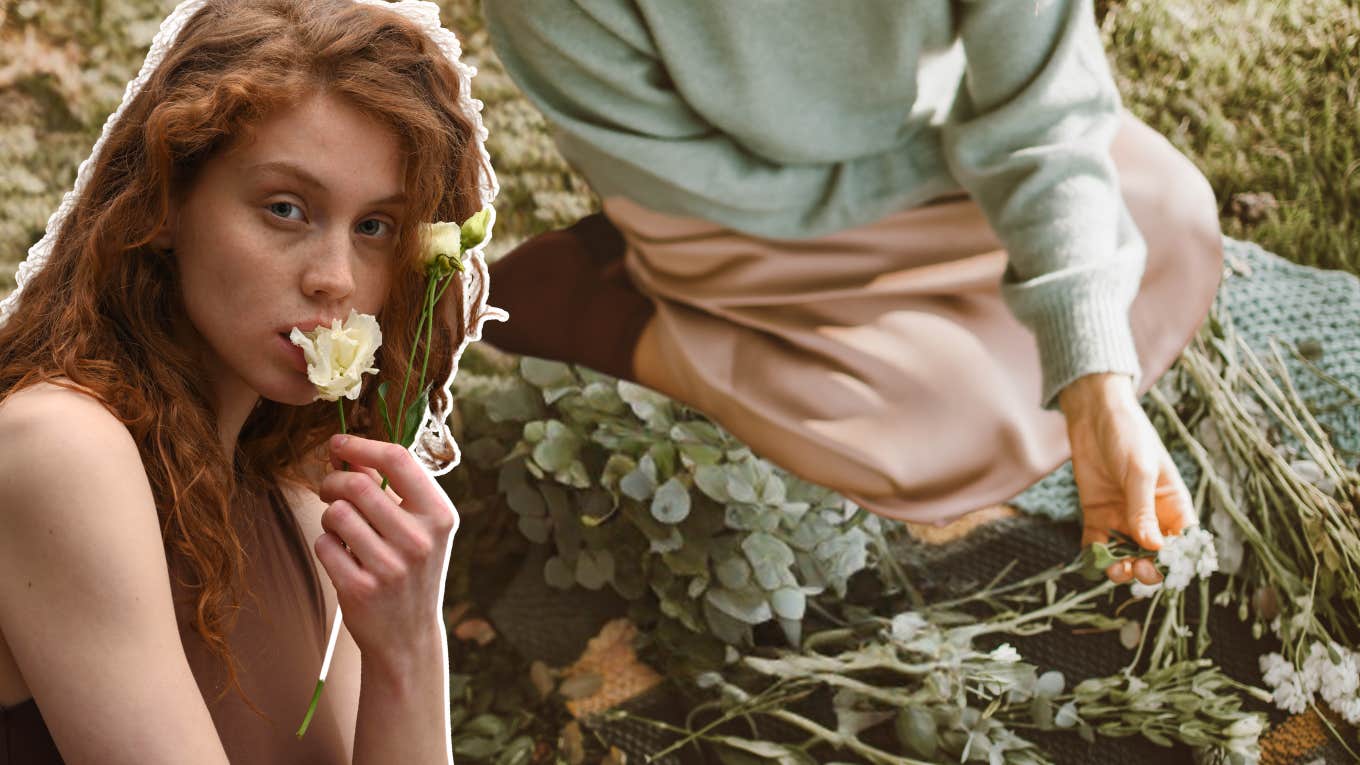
x=1126, y=480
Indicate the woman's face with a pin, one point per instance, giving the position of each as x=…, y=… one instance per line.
x=291, y=229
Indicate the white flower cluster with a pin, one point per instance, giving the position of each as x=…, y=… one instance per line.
x=907, y=625
x=1338, y=682
x=1185, y=556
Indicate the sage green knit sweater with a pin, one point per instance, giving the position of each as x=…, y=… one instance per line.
x=794, y=118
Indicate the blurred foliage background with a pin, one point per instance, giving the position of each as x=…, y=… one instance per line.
x=1263, y=95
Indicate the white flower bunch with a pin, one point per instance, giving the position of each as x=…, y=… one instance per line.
x=1185, y=556
x=1329, y=670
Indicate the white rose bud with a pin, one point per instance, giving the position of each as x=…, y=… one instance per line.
x=443, y=248
x=339, y=356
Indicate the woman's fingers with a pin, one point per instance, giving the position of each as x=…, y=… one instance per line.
x=408, y=479
x=343, y=520
x=1175, y=507
x=1140, y=496
x=1145, y=571
x=1119, y=572
x=379, y=514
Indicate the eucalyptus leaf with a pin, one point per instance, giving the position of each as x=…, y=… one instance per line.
x=671, y=503
x=526, y=500
x=640, y=484
x=535, y=529
x=544, y=373
x=769, y=556
x=594, y=568
x=727, y=628
x=748, y=606
x=733, y=572
x=556, y=574
x=788, y=602
x=553, y=454
x=615, y=468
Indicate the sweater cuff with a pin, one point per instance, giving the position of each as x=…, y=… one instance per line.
x=1082, y=337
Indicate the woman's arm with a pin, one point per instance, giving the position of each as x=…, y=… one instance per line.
x=393, y=700
x=85, y=600
x=1029, y=137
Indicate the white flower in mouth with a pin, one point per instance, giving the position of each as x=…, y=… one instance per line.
x=339, y=356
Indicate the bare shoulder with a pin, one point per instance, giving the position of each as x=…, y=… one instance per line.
x=85, y=601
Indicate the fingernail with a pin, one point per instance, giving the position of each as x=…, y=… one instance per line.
x=338, y=441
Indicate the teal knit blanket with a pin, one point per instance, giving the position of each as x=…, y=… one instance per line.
x=1265, y=295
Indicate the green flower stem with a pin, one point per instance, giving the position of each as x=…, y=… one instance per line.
x=411, y=359
x=1220, y=488
x=311, y=708
x=426, y=324
x=837, y=741
x=1143, y=633
x=831, y=675
x=335, y=629
x=429, y=338
x=340, y=404
x=1043, y=576
x=1062, y=606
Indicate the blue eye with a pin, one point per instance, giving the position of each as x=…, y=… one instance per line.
x=377, y=228
x=281, y=209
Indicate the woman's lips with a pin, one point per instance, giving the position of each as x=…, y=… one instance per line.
x=295, y=356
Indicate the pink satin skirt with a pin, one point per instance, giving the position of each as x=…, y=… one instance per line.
x=881, y=361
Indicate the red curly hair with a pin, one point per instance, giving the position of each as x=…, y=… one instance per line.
x=99, y=313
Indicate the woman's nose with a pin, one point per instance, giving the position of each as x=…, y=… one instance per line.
x=329, y=271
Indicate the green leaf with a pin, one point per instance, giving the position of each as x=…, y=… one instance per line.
x=618, y=466
x=733, y=572
x=712, y=481
x=525, y=500
x=916, y=731
x=671, y=503
x=414, y=415
x=556, y=573
x=769, y=558
x=487, y=725
x=641, y=483
x=520, y=751
x=695, y=455
x=554, y=454
x=748, y=606
x=388, y=425
x=594, y=568
x=788, y=602
x=544, y=373
x=534, y=529
x=723, y=626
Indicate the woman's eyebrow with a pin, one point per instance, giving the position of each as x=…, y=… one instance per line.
x=300, y=175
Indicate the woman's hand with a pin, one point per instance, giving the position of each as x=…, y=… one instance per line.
x=388, y=580
x=1125, y=477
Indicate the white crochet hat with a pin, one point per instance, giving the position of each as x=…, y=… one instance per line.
x=475, y=278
